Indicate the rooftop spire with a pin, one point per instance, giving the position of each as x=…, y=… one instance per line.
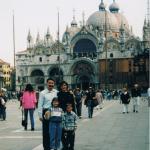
x=29, y=37
x=83, y=17
x=74, y=23
x=47, y=34
x=102, y=6
x=148, y=12
x=114, y=7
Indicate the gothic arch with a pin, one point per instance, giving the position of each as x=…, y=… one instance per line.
x=37, y=76
x=83, y=74
x=56, y=73
x=84, y=34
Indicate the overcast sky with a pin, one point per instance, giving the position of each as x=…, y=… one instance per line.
x=37, y=15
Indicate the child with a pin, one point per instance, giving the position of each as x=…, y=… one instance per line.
x=55, y=127
x=125, y=98
x=69, y=127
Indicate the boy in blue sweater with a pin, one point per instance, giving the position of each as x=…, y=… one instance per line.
x=69, y=127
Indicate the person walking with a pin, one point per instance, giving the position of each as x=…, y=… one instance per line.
x=136, y=94
x=44, y=103
x=65, y=96
x=29, y=103
x=89, y=101
x=69, y=128
x=54, y=114
x=125, y=98
x=78, y=100
x=2, y=106
x=99, y=98
x=148, y=93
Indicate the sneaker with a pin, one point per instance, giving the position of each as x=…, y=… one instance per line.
x=136, y=111
x=133, y=110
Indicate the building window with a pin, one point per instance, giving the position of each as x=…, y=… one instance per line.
x=40, y=59
x=111, y=55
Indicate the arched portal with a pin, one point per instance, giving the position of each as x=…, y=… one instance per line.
x=84, y=45
x=37, y=79
x=83, y=75
x=84, y=48
x=83, y=82
x=56, y=74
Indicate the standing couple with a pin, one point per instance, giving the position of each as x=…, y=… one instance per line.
x=66, y=128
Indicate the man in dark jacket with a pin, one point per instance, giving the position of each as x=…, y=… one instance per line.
x=89, y=101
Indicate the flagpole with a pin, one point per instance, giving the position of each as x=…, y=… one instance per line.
x=58, y=36
x=14, y=46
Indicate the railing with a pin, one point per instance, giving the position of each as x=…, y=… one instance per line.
x=91, y=55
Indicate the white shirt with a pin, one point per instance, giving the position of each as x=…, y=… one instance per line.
x=148, y=92
x=45, y=100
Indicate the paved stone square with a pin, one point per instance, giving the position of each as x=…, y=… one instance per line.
x=109, y=129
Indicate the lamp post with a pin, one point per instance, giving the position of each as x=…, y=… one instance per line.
x=106, y=59
x=58, y=36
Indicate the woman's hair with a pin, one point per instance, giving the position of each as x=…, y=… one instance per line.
x=61, y=83
x=54, y=99
x=29, y=88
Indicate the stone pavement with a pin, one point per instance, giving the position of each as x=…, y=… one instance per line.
x=109, y=129
x=112, y=130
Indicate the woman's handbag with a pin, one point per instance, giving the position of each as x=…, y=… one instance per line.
x=95, y=102
x=23, y=122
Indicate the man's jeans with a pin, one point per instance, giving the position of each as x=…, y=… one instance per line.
x=55, y=130
x=90, y=108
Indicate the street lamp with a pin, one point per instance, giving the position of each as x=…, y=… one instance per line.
x=106, y=60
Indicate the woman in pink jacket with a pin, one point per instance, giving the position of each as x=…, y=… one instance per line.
x=29, y=103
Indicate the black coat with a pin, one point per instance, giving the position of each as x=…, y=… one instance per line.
x=136, y=92
x=66, y=98
x=125, y=98
x=89, y=96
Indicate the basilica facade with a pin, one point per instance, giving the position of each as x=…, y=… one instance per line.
x=102, y=52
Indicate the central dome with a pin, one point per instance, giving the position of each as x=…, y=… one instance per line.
x=111, y=20
x=102, y=18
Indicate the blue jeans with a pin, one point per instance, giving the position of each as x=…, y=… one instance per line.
x=31, y=112
x=90, y=108
x=3, y=112
x=55, y=131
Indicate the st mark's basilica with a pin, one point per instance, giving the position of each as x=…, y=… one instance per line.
x=102, y=52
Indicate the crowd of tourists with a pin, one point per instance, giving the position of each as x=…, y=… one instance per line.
x=59, y=109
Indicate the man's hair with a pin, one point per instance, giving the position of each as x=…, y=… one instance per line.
x=50, y=79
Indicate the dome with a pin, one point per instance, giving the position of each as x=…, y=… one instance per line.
x=71, y=31
x=122, y=20
x=74, y=22
x=114, y=7
x=97, y=19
